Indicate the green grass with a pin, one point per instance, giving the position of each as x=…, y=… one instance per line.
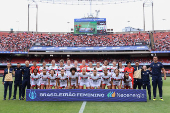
x=16, y=106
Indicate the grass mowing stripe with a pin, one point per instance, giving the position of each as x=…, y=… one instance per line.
x=82, y=107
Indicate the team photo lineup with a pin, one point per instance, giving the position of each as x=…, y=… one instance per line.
x=84, y=56
x=100, y=76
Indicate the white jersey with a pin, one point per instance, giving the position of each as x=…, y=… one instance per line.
x=59, y=69
x=127, y=83
x=112, y=69
x=35, y=79
x=67, y=68
x=90, y=70
x=116, y=79
x=53, y=67
x=121, y=70
x=52, y=78
x=84, y=78
x=99, y=70
x=44, y=79
x=108, y=67
x=62, y=79
x=95, y=80
x=106, y=79
x=73, y=78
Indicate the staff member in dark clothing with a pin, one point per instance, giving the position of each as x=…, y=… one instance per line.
x=18, y=80
x=26, y=78
x=8, y=80
x=156, y=68
x=146, y=80
x=137, y=81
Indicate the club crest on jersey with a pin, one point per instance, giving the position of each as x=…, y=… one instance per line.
x=158, y=64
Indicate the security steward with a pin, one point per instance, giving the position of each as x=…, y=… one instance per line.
x=18, y=80
x=26, y=78
x=8, y=80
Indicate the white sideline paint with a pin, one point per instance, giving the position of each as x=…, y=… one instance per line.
x=82, y=107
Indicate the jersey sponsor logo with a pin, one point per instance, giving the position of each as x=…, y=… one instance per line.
x=32, y=95
x=111, y=94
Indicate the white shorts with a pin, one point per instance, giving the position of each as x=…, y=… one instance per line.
x=44, y=82
x=73, y=83
x=116, y=83
x=95, y=85
x=127, y=84
x=87, y=84
x=106, y=83
x=63, y=85
x=52, y=83
x=33, y=83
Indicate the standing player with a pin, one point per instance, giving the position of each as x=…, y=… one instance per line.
x=83, y=65
x=84, y=79
x=68, y=67
x=62, y=80
x=106, y=65
x=90, y=68
x=127, y=81
x=73, y=78
x=156, y=68
x=121, y=68
x=76, y=66
x=113, y=67
x=44, y=80
x=35, y=76
x=34, y=67
x=52, y=79
x=146, y=80
x=116, y=79
x=98, y=68
x=130, y=70
x=53, y=66
x=95, y=80
x=42, y=67
x=61, y=66
x=106, y=79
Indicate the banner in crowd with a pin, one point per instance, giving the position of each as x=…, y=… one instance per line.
x=108, y=95
x=116, y=48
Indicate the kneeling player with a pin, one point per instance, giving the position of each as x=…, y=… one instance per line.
x=84, y=79
x=116, y=79
x=95, y=80
x=44, y=79
x=35, y=79
x=73, y=78
x=52, y=79
x=106, y=79
x=127, y=81
x=62, y=80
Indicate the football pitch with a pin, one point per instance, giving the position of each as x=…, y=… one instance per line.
x=21, y=106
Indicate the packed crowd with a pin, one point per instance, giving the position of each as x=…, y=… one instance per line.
x=23, y=41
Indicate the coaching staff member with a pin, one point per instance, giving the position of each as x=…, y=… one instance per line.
x=137, y=72
x=26, y=78
x=18, y=80
x=8, y=80
x=156, y=68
